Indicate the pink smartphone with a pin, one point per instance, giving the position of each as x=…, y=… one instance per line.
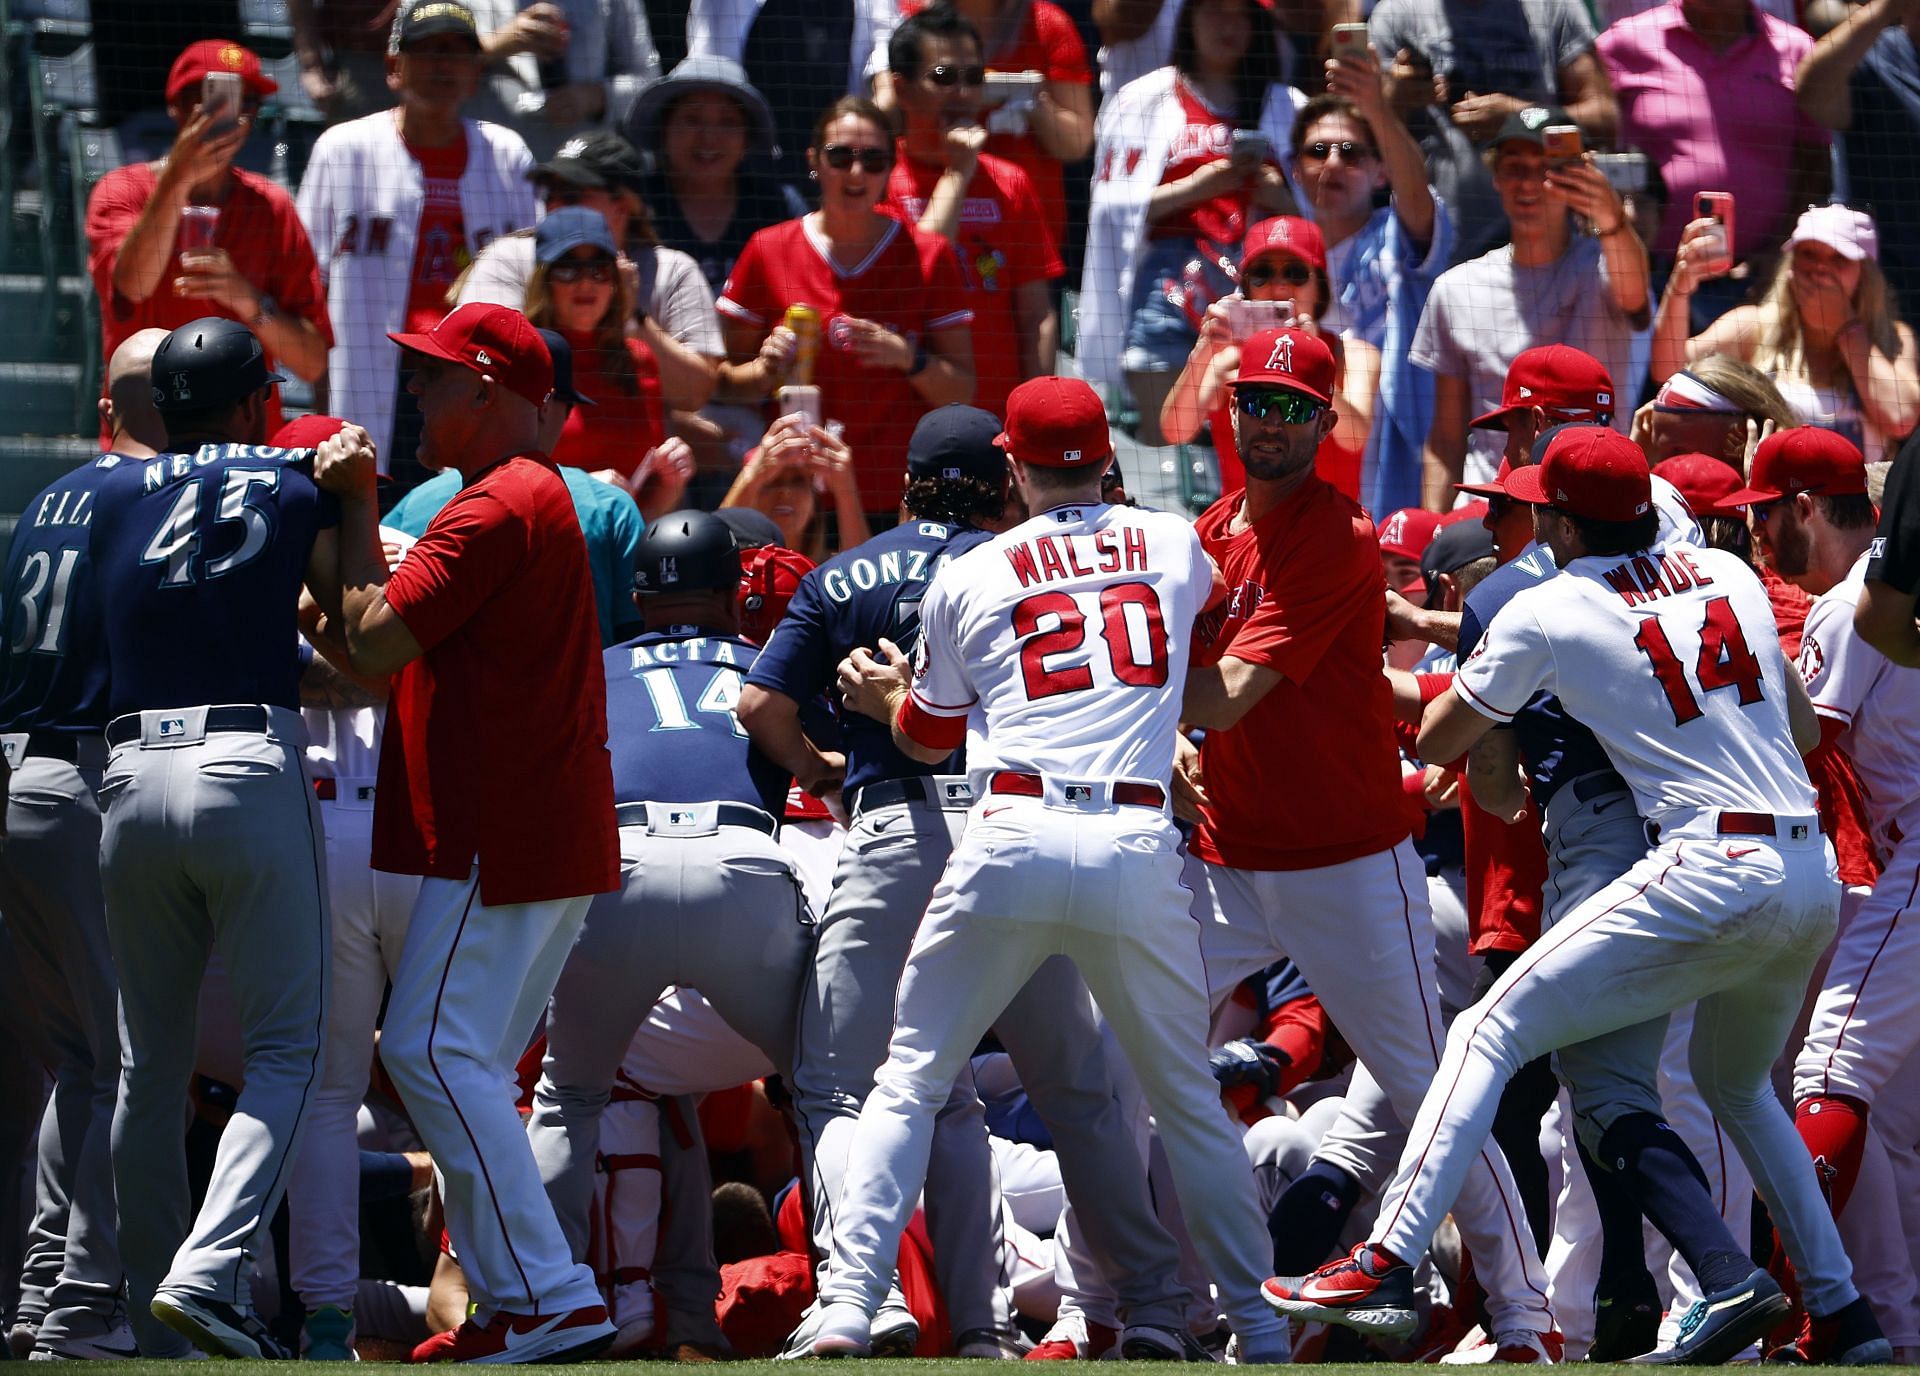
x=1717, y=206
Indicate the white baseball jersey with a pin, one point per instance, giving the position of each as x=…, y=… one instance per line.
x=1063, y=644
x=1672, y=660
x=1878, y=700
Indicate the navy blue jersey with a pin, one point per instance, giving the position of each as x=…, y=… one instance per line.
x=851, y=602
x=1554, y=747
x=671, y=727
x=199, y=559
x=56, y=661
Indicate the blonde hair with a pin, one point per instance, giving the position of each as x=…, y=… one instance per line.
x=1746, y=387
x=609, y=332
x=1782, y=349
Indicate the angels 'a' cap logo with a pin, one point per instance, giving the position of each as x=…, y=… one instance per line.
x=1282, y=355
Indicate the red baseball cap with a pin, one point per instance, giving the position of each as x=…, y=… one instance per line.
x=1497, y=487
x=1590, y=472
x=1056, y=422
x=306, y=432
x=1285, y=234
x=1702, y=481
x=769, y=577
x=1803, y=459
x=217, y=55
x=1408, y=531
x=496, y=341
x=1559, y=379
x=1290, y=358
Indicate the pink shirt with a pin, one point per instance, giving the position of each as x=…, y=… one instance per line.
x=1712, y=121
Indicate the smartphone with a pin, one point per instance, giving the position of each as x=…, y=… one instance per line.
x=1249, y=145
x=1562, y=143
x=1717, y=206
x=1247, y=318
x=1625, y=172
x=804, y=399
x=1349, y=41
x=1018, y=88
x=220, y=99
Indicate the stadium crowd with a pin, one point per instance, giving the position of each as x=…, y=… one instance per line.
x=525, y=988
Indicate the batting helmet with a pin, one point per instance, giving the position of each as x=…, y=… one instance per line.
x=208, y=363
x=687, y=551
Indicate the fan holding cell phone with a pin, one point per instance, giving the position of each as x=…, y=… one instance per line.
x=1283, y=282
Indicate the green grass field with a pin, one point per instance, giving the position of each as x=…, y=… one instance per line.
x=871, y=1368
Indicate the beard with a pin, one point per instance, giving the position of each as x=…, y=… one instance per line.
x=1787, y=549
x=1275, y=452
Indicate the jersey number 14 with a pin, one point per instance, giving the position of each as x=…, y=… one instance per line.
x=1726, y=661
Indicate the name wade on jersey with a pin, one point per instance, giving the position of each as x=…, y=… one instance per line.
x=1642, y=579
x=1047, y=558
x=894, y=566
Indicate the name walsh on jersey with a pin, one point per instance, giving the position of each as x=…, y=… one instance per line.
x=1046, y=558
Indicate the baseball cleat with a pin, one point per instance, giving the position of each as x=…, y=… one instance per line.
x=1360, y=1291
x=509, y=1339
x=843, y=1330
x=990, y=1344
x=1074, y=1339
x=1147, y=1342
x=216, y=1327
x=1851, y=1337
x=896, y=1333
x=1625, y=1326
x=327, y=1335
x=1718, y=1326
x=116, y=1346
x=1514, y=1347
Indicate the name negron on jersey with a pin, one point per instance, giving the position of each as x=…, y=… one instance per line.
x=1641, y=579
x=1048, y=557
x=171, y=468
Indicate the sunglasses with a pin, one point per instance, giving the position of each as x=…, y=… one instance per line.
x=1346, y=148
x=1289, y=408
x=1294, y=274
x=572, y=270
x=841, y=157
x=943, y=75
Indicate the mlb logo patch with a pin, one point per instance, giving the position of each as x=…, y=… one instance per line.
x=172, y=726
x=958, y=792
x=1798, y=831
x=679, y=818
x=1079, y=793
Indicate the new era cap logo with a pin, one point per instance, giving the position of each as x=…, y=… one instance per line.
x=480, y=356
x=1282, y=355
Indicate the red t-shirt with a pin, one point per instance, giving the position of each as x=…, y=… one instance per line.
x=910, y=283
x=261, y=232
x=496, y=737
x=624, y=421
x=1333, y=464
x=1311, y=775
x=1003, y=244
x=441, y=254
x=1207, y=137
x=1506, y=864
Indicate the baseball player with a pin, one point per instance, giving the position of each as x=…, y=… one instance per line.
x=1806, y=500
x=1054, y=652
x=1669, y=658
x=53, y=720
x=488, y=628
x=708, y=899
x=211, y=838
x=1288, y=685
x=906, y=817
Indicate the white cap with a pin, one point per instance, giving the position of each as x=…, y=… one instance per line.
x=1848, y=232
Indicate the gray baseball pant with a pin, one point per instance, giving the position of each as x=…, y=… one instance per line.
x=50, y=892
x=211, y=841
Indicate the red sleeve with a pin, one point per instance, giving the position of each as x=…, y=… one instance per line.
x=948, y=303
x=295, y=285
x=1506, y=873
x=1314, y=597
x=111, y=211
x=1843, y=806
x=1066, y=54
x=1299, y=1028
x=748, y=294
x=1432, y=686
x=1036, y=257
x=924, y=728
x=469, y=550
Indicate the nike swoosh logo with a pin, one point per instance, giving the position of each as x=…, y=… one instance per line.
x=1314, y=1290
x=989, y=811
x=1734, y=853
x=515, y=1339
x=1602, y=807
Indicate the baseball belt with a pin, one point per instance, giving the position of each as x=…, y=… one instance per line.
x=723, y=814
x=126, y=729
x=1020, y=785
x=950, y=791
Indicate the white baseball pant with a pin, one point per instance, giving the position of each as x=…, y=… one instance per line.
x=1362, y=934
x=1735, y=926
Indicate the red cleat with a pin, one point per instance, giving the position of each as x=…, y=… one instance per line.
x=1073, y=1339
x=509, y=1339
x=1361, y=1292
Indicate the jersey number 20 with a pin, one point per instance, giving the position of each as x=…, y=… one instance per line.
x=1138, y=656
x=1725, y=661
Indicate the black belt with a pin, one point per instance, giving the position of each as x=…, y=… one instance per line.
x=1590, y=786
x=1127, y=794
x=122, y=730
x=912, y=790
x=53, y=745
x=725, y=814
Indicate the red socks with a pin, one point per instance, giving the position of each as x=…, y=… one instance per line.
x=1835, y=1131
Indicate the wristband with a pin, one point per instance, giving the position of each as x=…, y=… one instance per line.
x=920, y=358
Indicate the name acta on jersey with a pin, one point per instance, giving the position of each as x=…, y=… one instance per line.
x=171, y=468
x=894, y=566
x=696, y=649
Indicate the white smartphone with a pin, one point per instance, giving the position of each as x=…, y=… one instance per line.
x=220, y=99
x=1015, y=87
x=804, y=399
x=1349, y=41
x=1247, y=318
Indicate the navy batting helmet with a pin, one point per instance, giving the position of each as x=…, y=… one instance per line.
x=687, y=551
x=209, y=363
